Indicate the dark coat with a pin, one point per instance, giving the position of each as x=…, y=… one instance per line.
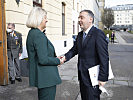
x=14, y=44
x=91, y=52
x=43, y=71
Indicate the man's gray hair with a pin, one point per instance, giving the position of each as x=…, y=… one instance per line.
x=90, y=13
x=12, y=24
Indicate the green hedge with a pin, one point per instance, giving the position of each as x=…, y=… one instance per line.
x=130, y=32
x=107, y=31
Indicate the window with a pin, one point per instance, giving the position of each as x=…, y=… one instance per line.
x=63, y=18
x=81, y=8
x=77, y=7
x=73, y=4
x=65, y=43
x=73, y=27
x=37, y=3
x=77, y=27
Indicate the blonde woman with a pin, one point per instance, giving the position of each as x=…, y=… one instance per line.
x=43, y=71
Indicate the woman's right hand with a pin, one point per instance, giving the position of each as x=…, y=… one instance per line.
x=62, y=59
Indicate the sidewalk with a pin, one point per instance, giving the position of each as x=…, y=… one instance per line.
x=119, y=39
x=67, y=90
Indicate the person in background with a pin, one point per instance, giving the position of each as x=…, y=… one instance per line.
x=14, y=50
x=112, y=37
x=107, y=37
x=92, y=49
x=43, y=71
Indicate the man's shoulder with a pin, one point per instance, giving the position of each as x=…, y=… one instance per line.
x=17, y=33
x=97, y=29
x=81, y=32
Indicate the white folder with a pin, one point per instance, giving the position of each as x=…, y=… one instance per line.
x=94, y=72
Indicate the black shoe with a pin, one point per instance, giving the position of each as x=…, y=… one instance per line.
x=12, y=81
x=19, y=79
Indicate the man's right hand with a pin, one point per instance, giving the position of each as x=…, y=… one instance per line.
x=62, y=59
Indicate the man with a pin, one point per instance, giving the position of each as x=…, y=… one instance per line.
x=92, y=49
x=14, y=47
x=112, y=37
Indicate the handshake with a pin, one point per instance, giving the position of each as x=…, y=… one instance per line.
x=62, y=59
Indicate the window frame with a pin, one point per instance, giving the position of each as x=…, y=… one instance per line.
x=63, y=18
x=37, y=4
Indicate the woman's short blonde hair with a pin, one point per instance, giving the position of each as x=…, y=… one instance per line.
x=35, y=17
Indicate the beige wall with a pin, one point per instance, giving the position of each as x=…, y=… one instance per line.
x=18, y=14
x=54, y=25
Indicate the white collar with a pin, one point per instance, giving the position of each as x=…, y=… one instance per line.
x=88, y=29
x=12, y=33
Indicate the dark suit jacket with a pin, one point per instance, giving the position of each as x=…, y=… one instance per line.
x=14, y=44
x=43, y=71
x=93, y=51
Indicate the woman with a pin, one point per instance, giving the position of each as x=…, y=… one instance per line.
x=43, y=71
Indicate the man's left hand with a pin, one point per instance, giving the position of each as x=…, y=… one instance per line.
x=101, y=83
x=19, y=54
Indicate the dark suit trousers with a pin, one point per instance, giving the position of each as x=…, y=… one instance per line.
x=47, y=93
x=89, y=93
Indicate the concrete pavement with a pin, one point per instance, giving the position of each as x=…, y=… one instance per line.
x=121, y=53
x=120, y=88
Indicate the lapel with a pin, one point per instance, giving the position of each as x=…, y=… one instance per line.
x=88, y=37
x=51, y=45
x=48, y=39
x=80, y=37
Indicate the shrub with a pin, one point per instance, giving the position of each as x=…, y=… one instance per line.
x=130, y=32
x=107, y=31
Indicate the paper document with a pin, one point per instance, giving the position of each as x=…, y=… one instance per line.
x=94, y=72
x=103, y=90
x=111, y=75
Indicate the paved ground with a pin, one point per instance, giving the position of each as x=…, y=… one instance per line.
x=120, y=88
x=121, y=56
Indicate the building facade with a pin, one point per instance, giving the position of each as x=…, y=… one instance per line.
x=62, y=19
x=123, y=15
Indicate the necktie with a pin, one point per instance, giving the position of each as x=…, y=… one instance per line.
x=84, y=36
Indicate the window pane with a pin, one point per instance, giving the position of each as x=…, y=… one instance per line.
x=73, y=27
x=37, y=3
x=63, y=24
x=63, y=18
x=63, y=8
x=40, y=1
